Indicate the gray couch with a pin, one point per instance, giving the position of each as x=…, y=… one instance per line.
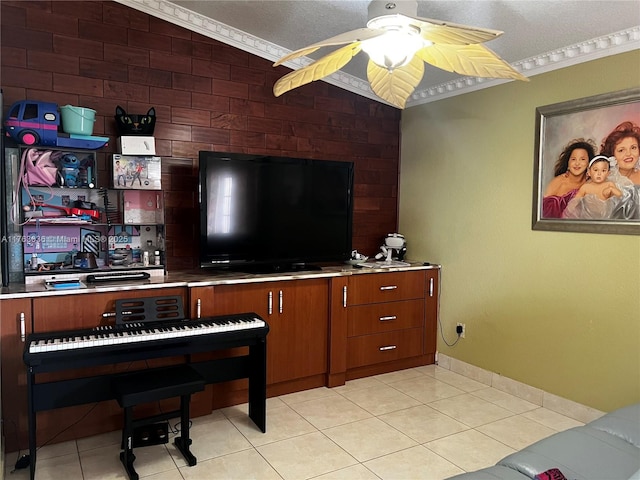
x=606, y=449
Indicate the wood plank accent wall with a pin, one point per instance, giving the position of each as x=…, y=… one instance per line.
x=207, y=96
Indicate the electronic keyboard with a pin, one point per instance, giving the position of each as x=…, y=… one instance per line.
x=132, y=341
x=136, y=340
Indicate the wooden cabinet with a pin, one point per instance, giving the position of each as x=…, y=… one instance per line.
x=382, y=322
x=16, y=321
x=385, y=317
x=323, y=331
x=297, y=314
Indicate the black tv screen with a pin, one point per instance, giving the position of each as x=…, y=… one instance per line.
x=267, y=213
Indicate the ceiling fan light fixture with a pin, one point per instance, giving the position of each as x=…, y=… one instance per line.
x=395, y=48
x=399, y=43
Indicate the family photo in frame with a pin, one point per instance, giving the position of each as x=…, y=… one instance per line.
x=587, y=165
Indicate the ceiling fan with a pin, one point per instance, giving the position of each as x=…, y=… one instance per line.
x=398, y=43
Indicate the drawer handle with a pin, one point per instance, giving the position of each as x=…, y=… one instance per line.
x=23, y=328
x=386, y=319
x=389, y=287
x=388, y=347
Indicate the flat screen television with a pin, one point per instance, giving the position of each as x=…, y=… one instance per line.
x=266, y=213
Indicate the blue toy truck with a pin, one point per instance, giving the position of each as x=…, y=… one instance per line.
x=36, y=123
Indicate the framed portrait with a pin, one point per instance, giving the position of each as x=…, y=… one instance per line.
x=587, y=165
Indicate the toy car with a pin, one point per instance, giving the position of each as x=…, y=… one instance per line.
x=36, y=123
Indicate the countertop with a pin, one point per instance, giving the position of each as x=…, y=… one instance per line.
x=199, y=278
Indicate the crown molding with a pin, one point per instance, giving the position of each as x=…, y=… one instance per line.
x=612, y=44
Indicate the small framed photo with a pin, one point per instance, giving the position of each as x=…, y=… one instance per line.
x=137, y=172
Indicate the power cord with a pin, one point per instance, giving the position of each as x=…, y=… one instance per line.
x=458, y=329
x=25, y=460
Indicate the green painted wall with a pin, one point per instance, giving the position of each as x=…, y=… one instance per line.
x=555, y=310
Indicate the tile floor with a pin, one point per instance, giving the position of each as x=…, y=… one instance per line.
x=420, y=423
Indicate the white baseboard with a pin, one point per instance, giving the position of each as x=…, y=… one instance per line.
x=534, y=395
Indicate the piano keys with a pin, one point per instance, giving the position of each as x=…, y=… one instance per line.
x=134, y=341
x=112, y=335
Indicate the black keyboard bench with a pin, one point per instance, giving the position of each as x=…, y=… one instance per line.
x=152, y=385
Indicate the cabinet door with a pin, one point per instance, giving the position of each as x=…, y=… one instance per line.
x=297, y=314
x=85, y=311
x=231, y=299
x=338, y=318
x=301, y=349
x=14, y=313
x=200, y=302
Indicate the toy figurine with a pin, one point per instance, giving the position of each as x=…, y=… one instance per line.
x=69, y=167
x=394, y=248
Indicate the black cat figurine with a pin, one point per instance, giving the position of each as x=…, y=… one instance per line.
x=135, y=124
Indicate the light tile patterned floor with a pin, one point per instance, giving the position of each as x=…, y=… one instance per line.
x=420, y=423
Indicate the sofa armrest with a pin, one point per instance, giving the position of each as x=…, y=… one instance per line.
x=579, y=453
x=497, y=472
x=623, y=423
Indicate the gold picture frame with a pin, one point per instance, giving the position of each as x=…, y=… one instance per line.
x=590, y=119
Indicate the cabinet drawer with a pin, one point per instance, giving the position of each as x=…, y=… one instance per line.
x=383, y=347
x=385, y=317
x=385, y=287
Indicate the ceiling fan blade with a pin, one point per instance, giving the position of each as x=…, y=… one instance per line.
x=317, y=70
x=396, y=85
x=437, y=31
x=347, y=37
x=472, y=60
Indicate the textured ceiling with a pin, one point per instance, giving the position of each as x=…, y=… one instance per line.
x=539, y=35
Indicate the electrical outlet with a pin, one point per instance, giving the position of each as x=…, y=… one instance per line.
x=461, y=329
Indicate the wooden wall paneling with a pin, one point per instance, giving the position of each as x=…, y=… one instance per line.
x=108, y=54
